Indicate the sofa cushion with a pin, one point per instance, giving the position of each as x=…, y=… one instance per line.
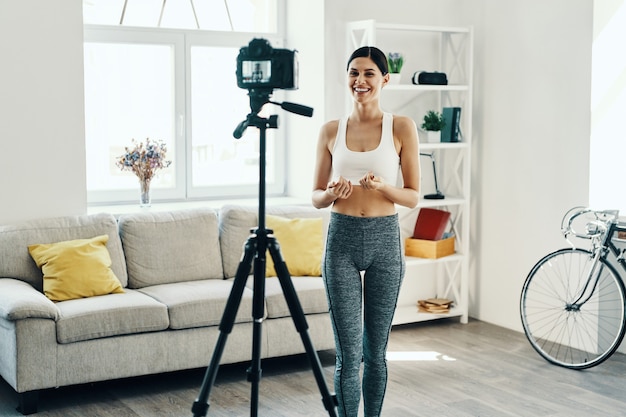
x=311, y=294
x=199, y=303
x=76, y=268
x=167, y=247
x=301, y=243
x=16, y=262
x=236, y=222
x=109, y=315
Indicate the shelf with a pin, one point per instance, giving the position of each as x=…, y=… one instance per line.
x=412, y=28
x=442, y=145
x=409, y=314
x=449, y=50
x=425, y=87
x=414, y=261
x=448, y=201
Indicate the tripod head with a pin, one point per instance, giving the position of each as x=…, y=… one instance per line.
x=258, y=99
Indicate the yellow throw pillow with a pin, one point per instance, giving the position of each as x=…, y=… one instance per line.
x=76, y=268
x=301, y=244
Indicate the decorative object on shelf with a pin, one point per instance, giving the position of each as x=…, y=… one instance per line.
x=144, y=159
x=434, y=305
x=395, y=60
x=431, y=224
x=433, y=122
x=430, y=249
x=452, y=129
x=430, y=78
x=430, y=239
x=438, y=195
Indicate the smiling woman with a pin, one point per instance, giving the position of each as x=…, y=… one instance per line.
x=361, y=160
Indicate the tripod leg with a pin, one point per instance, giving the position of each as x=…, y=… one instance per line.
x=201, y=405
x=258, y=312
x=297, y=315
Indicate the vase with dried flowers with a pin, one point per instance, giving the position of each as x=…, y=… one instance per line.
x=144, y=159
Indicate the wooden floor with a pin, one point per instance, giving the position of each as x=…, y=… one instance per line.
x=441, y=368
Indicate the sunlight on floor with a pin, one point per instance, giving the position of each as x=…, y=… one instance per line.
x=418, y=356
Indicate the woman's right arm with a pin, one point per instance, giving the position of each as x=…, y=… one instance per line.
x=323, y=195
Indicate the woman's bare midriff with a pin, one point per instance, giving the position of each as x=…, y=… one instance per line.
x=364, y=203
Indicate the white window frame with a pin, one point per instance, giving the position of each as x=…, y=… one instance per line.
x=183, y=41
x=277, y=188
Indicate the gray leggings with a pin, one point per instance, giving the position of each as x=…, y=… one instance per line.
x=373, y=245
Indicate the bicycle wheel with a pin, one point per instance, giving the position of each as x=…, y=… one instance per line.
x=561, y=326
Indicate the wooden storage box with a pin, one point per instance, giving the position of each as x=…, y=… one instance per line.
x=431, y=249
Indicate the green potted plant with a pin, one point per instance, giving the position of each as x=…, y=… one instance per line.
x=432, y=124
x=395, y=60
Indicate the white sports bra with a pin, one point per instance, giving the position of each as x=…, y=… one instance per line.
x=383, y=161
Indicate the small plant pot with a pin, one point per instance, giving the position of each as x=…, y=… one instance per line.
x=394, y=78
x=433, y=136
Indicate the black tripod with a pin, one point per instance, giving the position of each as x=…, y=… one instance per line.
x=260, y=240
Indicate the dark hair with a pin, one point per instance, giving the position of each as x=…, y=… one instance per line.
x=375, y=54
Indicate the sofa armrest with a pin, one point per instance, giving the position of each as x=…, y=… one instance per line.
x=19, y=300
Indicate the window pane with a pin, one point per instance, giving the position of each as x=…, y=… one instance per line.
x=253, y=15
x=213, y=15
x=142, y=13
x=217, y=107
x=129, y=93
x=608, y=107
x=258, y=16
x=179, y=15
x=98, y=12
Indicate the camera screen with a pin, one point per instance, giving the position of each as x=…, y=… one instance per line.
x=256, y=71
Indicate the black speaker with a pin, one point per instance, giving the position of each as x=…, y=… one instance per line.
x=433, y=78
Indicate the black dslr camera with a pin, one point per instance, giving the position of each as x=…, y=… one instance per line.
x=259, y=66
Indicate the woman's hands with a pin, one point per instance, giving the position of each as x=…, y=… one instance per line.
x=342, y=188
x=371, y=182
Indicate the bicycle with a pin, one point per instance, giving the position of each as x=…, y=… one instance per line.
x=572, y=303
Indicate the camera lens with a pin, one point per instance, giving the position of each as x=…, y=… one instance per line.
x=258, y=48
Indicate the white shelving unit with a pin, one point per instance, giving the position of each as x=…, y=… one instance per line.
x=448, y=50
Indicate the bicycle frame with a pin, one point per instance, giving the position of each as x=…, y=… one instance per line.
x=609, y=246
x=601, y=233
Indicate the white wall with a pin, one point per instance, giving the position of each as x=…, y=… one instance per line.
x=42, y=149
x=531, y=126
x=532, y=142
x=302, y=131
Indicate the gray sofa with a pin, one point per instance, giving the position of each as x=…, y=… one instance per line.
x=177, y=270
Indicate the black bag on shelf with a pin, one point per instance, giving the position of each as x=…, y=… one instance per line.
x=433, y=78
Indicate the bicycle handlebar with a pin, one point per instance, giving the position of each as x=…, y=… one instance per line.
x=595, y=227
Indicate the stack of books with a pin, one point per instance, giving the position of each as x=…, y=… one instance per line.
x=434, y=305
